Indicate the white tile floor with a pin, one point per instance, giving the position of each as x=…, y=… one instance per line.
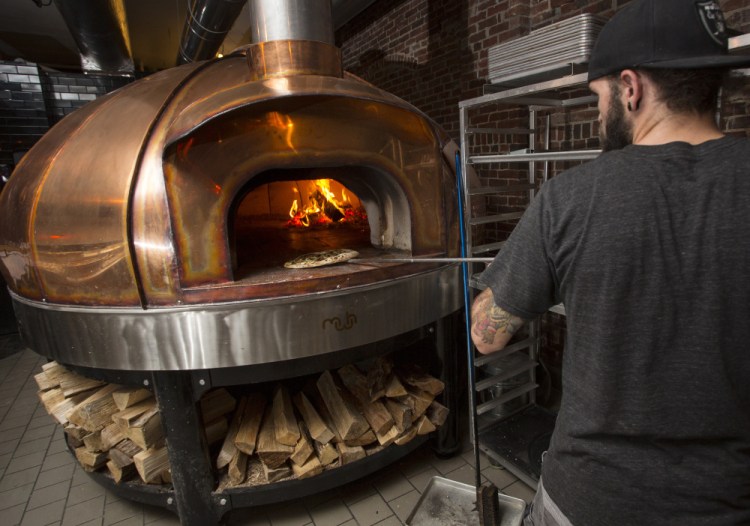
x=41, y=483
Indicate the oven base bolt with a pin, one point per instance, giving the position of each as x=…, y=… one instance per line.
x=170, y=500
x=223, y=502
x=202, y=381
x=145, y=382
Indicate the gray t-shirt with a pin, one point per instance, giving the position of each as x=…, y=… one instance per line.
x=649, y=249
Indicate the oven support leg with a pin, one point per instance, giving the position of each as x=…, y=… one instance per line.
x=192, y=474
x=447, y=440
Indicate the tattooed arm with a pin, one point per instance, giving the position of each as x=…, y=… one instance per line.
x=491, y=326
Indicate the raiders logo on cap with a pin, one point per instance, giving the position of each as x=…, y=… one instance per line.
x=713, y=20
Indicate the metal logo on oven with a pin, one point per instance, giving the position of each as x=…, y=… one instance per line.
x=339, y=325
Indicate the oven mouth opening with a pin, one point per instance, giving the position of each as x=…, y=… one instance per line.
x=284, y=213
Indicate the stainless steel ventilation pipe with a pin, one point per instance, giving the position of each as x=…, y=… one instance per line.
x=272, y=20
x=207, y=25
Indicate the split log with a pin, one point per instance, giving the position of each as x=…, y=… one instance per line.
x=128, y=447
x=58, y=406
x=317, y=402
x=104, y=439
x=304, y=448
x=318, y=429
x=394, y=388
x=61, y=411
x=326, y=453
x=368, y=437
x=72, y=384
x=270, y=451
x=75, y=435
x=415, y=377
x=347, y=420
x=90, y=460
x=437, y=413
x=365, y=439
x=252, y=416
x=407, y=436
x=52, y=398
x=309, y=469
x=146, y=430
x=120, y=465
x=228, y=447
x=216, y=403
x=45, y=383
x=276, y=474
x=418, y=402
x=96, y=411
x=387, y=438
x=375, y=413
x=237, y=469
x=377, y=377
x=424, y=426
x=150, y=464
x=286, y=428
x=129, y=396
x=50, y=375
x=401, y=414
x=349, y=454
x=129, y=415
x=55, y=375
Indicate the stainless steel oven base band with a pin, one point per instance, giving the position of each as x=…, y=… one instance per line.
x=236, y=334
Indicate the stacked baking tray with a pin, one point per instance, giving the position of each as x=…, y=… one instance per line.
x=545, y=52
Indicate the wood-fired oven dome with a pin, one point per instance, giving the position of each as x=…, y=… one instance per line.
x=127, y=201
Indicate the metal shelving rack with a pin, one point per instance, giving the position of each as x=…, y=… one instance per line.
x=515, y=439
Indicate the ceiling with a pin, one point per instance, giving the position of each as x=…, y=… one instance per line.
x=40, y=35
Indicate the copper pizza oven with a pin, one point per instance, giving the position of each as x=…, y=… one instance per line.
x=164, y=209
x=143, y=239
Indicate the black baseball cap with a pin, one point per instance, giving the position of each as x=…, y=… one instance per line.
x=669, y=34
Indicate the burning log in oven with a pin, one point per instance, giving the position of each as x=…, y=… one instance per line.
x=325, y=205
x=263, y=435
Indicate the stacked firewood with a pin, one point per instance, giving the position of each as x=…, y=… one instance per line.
x=260, y=436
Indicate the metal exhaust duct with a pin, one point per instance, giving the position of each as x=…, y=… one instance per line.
x=100, y=31
x=273, y=20
x=207, y=25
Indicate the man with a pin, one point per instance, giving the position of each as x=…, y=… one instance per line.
x=648, y=247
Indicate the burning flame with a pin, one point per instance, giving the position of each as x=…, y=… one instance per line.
x=285, y=125
x=324, y=207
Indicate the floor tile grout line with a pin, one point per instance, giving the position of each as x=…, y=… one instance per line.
x=36, y=479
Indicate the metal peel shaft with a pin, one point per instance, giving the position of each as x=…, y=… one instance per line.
x=420, y=260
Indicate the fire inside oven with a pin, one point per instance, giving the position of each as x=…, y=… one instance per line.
x=276, y=221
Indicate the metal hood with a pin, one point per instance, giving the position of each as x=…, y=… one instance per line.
x=100, y=31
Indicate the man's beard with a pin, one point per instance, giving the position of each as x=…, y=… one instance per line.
x=617, y=132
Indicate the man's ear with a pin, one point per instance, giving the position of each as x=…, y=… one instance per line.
x=632, y=88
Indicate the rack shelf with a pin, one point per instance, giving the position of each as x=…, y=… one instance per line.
x=513, y=428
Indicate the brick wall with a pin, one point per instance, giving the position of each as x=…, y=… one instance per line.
x=434, y=53
x=32, y=99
